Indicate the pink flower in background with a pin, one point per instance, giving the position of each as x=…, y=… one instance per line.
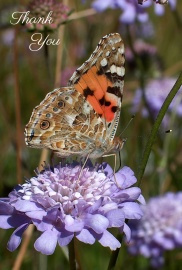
x=41, y=8
x=66, y=75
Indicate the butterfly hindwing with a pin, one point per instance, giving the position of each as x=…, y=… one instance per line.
x=62, y=122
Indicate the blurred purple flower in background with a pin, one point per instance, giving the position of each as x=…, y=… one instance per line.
x=160, y=8
x=159, y=229
x=156, y=92
x=8, y=37
x=131, y=10
x=41, y=8
x=62, y=204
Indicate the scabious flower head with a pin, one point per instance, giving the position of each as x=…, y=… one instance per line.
x=156, y=92
x=159, y=229
x=66, y=202
x=41, y=9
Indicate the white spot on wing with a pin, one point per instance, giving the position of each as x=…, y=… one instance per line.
x=121, y=49
x=86, y=108
x=107, y=53
x=113, y=69
x=120, y=71
x=103, y=62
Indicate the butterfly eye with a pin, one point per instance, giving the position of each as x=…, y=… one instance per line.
x=45, y=124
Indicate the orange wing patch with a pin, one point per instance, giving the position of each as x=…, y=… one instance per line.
x=94, y=88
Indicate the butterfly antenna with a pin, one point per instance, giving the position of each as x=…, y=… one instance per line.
x=132, y=117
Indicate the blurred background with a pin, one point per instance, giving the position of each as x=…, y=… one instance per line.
x=153, y=41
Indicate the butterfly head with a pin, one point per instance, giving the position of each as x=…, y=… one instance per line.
x=118, y=144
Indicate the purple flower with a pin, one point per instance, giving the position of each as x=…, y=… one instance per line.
x=67, y=202
x=132, y=9
x=8, y=37
x=159, y=229
x=160, y=8
x=156, y=92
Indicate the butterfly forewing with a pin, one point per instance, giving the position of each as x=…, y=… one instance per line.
x=101, y=78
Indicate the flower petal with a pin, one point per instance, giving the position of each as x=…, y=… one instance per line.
x=127, y=232
x=97, y=222
x=108, y=240
x=141, y=199
x=47, y=242
x=94, y=207
x=129, y=14
x=24, y=206
x=132, y=210
x=102, y=5
x=86, y=237
x=116, y=218
x=125, y=177
x=16, y=237
x=36, y=214
x=132, y=193
x=4, y=224
x=65, y=238
x=5, y=208
x=73, y=225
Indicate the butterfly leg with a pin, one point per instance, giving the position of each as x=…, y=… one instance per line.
x=87, y=157
x=109, y=155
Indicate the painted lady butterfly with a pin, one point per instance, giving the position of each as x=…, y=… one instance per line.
x=82, y=118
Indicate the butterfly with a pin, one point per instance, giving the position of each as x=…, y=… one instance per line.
x=82, y=118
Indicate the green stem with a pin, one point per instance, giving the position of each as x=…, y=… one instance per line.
x=156, y=126
x=114, y=255
x=177, y=18
x=142, y=73
x=72, y=260
x=46, y=56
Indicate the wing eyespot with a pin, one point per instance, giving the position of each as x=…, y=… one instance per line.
x=55, y=109
x=29, y=139
x=48, y=115
x=44, y=124
x=61, y=104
